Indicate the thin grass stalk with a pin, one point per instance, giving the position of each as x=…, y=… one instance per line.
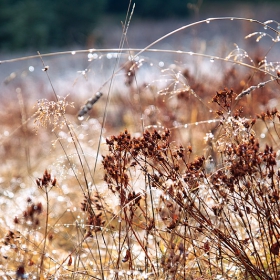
x=82, y=166
x=41, y=268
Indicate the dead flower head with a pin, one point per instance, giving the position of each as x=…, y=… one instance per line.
x=51, y=113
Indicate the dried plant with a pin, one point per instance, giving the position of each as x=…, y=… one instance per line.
x=51, y=113
x=188, y=190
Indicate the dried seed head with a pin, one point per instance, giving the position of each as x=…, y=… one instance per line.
x=88, y=106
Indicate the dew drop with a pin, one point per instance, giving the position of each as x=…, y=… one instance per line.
x=109, y=55
x=60, y=198
x=196, y=123
x=186, y=125
x=190, y=53
x=161, y=64
x=212, y=59
x=81, y=118
x=145, y=276
x=31, y=68
x=265, y=27
x=207, y=21
x=45, y=69
x=231, y=19
x=73, y=52
x=81, y=136
x=262, y=135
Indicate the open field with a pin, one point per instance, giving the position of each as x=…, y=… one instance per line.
x=144, y=163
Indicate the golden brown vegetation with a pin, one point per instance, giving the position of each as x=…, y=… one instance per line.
x=188, y=190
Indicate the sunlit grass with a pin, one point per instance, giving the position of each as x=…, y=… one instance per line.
x=139, y=168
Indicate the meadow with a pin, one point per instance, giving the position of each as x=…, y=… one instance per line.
x=146, y=163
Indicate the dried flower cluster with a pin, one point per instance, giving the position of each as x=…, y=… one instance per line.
x=95, y=218
x=52, y=112
x=235, y=208
x=46, y=181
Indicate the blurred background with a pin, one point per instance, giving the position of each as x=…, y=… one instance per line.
x=46, y=25
x=50, y=26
